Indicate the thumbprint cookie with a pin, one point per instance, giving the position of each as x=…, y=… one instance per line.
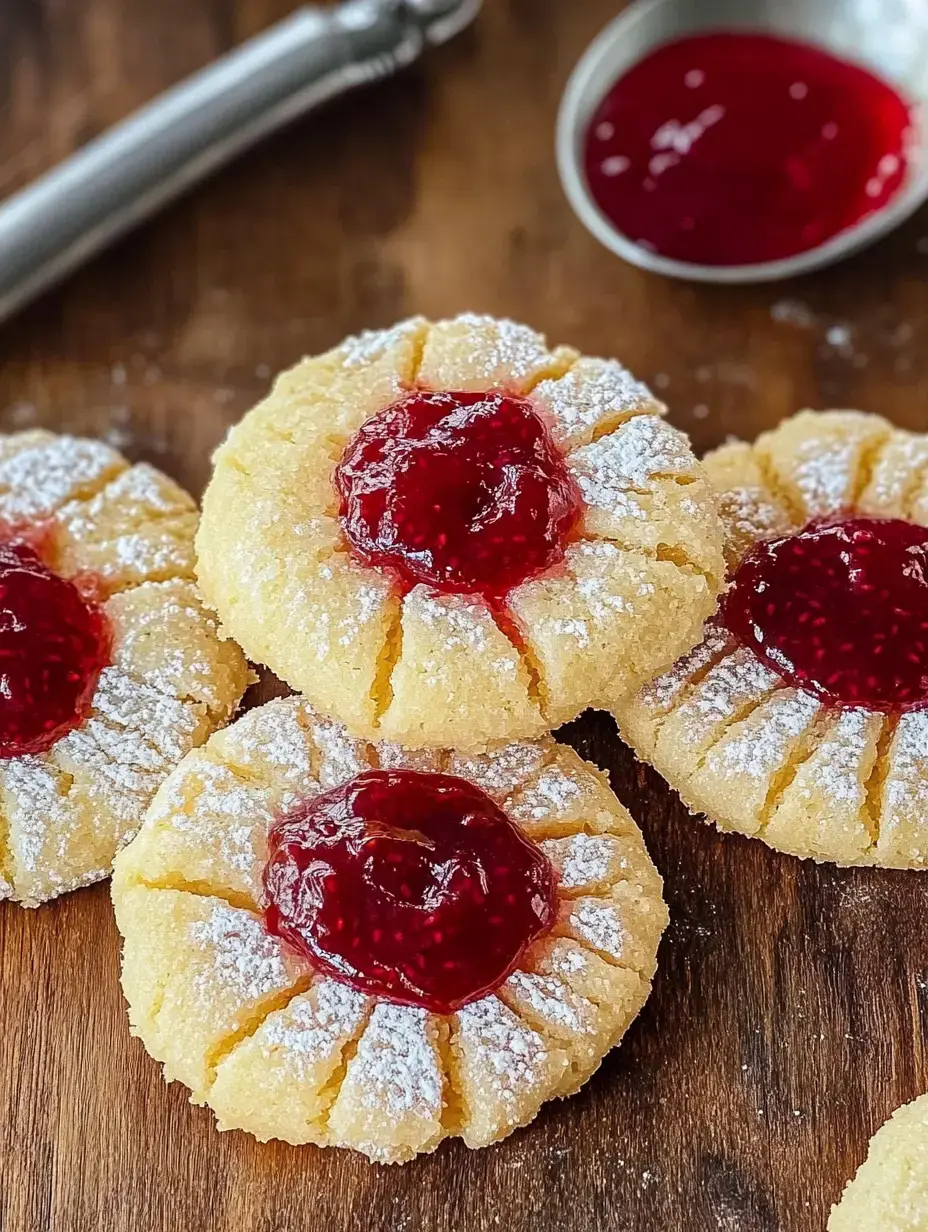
x=349, y=944
x=449, y=535
x=802, y=718
x=890, y=1191
x=111, y=669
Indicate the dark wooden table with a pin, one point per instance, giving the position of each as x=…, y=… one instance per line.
x=789, y=1014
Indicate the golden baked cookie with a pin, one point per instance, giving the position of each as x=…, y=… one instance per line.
x=801, y=718
x=890, y=1191
x=459, y=568
x=299, y=913
x=111, y=669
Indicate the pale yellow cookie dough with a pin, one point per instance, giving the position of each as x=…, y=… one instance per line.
x=282, y=1052
x=755, y=756
x=890, y=1191
x=431, y=670
x=172, y=679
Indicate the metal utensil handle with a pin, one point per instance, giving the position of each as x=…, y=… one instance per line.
x=133, y=169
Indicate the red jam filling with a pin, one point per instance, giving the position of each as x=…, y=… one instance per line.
x=840, y=610
x=465, y=492
x=412, y=887
x=53, y=646
x=733, y=149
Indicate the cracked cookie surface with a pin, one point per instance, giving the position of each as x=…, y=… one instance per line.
x=740, y=738
x=283, y=1051
x=634, y=579
x=164, y=681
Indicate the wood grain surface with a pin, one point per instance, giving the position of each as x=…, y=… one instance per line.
x=789, y=1014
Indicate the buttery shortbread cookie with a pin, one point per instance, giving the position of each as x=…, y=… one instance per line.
x=802, y=718
x=112, y=669
x=449, y=535
x=890, y=1191
x=347, y=944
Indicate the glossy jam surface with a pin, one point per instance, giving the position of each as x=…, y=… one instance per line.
x=731, y=149
x=53, y=646
x=465, y=492
x=840, y=610
x=413, y=887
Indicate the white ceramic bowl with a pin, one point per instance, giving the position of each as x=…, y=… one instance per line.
x=889, y=37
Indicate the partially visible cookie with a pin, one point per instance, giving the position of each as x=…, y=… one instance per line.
x=448, y=534
x=802, y=717
x=112, y=667
x=300, y=1006
x=890, y=1191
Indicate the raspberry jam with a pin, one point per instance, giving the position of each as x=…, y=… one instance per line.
x=463, y=491
x=732, y=149
x=841, y=610
x=413, y=887
x=53, y=646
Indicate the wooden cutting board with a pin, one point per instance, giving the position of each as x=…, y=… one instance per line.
x=789, y=1014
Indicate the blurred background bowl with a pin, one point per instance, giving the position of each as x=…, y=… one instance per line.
x=889, y=37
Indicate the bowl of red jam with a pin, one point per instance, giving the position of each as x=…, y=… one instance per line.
x=738, y=141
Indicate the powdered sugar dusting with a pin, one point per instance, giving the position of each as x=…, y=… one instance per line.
x=341, y=757
x=500, y=349
x=760, y=749
x=37, y=480
x=735, y=682
x=566, y=958
x=315, y=1026
x=396, y=1069
x=170, y=617
x=222, y=817
x=371, y=345
x=583, y=861
x=85, y=798
x=905, y=789
x=133, y=737
x=464, y=623
x=42, y=820
x=394, y=757
x=459, y=623
x=598, y=923
x=549, y=998
x=663, y=693
x=500, y=1049
x=596, y=561
x=554, y=795
x=140, y=491
x=148, y=553
x=593, y=392
x=121, y=754
x=825, y=473
x=355, y=602
x=135, y=724
x=639, y=452
x=608, y=579
x=573, y=627
x=898, y=473
x=241, y=959
x=272, y=743
x=143, y=521
x=370, y=600
x=602, y=599
x=749, y=515
x=909, y=762
x=836, y=768
x=501, y=771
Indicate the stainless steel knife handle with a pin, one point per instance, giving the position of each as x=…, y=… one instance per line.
x=135, y=168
